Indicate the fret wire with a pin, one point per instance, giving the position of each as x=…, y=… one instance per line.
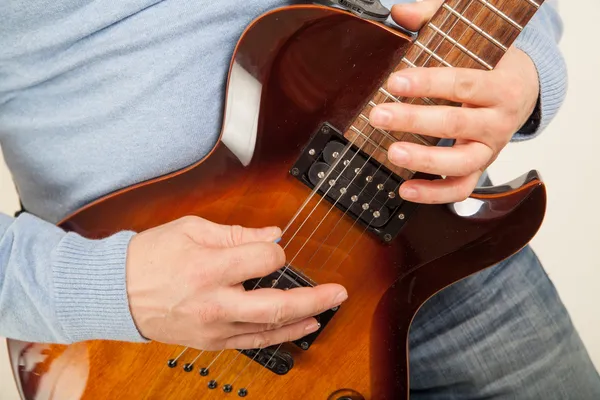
x=431, y=53
x=475, y=27
x=418, y=137
x=461, y=47
x=368, y=140
x=501, y=14
x=533, y=3
x=397, y=100
x=384, y=133
x=408, y=62
x=382, y=149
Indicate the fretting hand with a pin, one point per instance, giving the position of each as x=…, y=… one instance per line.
x=184, y=287
x=495, y=105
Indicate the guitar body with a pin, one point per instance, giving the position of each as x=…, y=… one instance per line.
x=294, y=69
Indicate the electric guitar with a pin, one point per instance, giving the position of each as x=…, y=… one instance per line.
x=296, y=150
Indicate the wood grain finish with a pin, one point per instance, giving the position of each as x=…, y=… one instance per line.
x=315, y=64
x=470, y=34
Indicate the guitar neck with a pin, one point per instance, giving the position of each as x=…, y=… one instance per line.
x=462, y=33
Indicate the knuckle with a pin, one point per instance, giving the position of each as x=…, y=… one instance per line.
x=190, y=221
x=512, y=91
x=411, y=119
x=260, y=341
x=281, y=313
x=273, y=256
x=465, y=86
x=235, y=260
x=236, y=233
x=428, y=161
x=210, y=313
x=454, y=121
x=463, y=192
x=469, y=164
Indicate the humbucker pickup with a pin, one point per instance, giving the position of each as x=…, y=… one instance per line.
x=358, y=184
x=289, y=278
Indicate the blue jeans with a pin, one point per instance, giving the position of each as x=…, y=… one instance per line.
x=500, y=334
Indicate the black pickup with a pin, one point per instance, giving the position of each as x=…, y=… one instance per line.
x=358, y=184
x=288, y=278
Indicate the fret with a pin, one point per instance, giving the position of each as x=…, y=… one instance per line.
x=377, y=146
x=465, y=34
x=475, y=27
x=368, y=139
x=397, y=100
x=381, y=131
x=388, y=94
x=461, y=47
x=387, y=134
x=501, y=14
x=533, y=3
x=410, y=64
x=431, y=53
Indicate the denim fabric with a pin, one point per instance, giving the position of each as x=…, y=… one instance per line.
x=500, y=334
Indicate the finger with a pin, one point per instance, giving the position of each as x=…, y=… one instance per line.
x=261, y=340
x=413, y=16
x=242, y=328
x=440, y=191
x=447, y=122
x=275, y=306
x=460, y=85
x=246, y=261
x=460, y=160
x=208, y=233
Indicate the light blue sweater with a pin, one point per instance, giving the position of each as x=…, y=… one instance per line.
x=95, y=96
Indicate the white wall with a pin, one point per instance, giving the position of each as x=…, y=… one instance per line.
x=567, y=155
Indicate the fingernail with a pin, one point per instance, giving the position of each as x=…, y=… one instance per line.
x=398, y=84
x=271, y=233
x=408, y=193
x=340, y=298
x=380, y=116
x=398, y=155
x=313, y=327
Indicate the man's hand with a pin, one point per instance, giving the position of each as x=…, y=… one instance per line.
x=184, y=287
x=495, y=105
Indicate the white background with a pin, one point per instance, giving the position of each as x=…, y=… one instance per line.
x=567, y=155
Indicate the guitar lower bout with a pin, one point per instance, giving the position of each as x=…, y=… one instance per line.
x=295, y=71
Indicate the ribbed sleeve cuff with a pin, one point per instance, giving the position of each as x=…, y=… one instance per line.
x=90, y=288
x=552, y=73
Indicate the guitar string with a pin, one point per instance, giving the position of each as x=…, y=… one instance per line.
x=462, y=54
x=314, y=191
x=298, y=252
x=325, y=178
x=434, y=34
x=314, y=208
x=413, y=99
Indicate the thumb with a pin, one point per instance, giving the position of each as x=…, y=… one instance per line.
x=211, y=234
x=413, y=16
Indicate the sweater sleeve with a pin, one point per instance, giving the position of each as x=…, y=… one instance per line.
x=539, y=39
x=58, y=287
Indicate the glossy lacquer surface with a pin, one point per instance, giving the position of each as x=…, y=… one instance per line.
x=311, y=65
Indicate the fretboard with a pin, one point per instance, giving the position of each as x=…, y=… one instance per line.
x=462, y=33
